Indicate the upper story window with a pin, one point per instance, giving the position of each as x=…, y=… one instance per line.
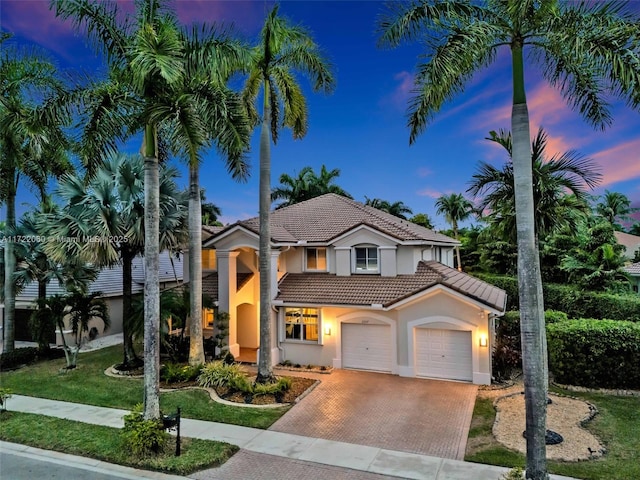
x=316, y=258
x=302, y=324
x=209, y=259
x=366, y=260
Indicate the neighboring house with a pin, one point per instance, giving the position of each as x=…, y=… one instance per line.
x=631, y=243
x=354, y=287
x=634, y=272
x=109, y=283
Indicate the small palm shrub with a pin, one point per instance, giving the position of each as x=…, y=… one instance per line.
x=218, y=374
x=282, y=385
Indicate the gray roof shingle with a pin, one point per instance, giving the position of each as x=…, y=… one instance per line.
x=325, y=288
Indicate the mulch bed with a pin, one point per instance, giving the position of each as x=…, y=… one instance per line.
x=299, y=385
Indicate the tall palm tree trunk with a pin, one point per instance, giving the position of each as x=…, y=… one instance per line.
x=455, y=235
x=130, y=357
x=151, y=284
x=196, y=347
x=529, y=282
x=8, y=341
x=265, y=371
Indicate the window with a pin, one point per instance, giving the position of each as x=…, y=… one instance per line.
x=317, y=259
x=208, y=316
x=366, y=259
x=208, y=259
x=302, y=324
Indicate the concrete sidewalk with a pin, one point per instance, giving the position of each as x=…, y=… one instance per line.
x=380, y=461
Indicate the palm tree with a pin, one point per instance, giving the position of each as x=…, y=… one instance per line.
x=32, y=146
x=210, y=214
x=212, y=59
x=423, y=220
x=455, y=208
x=615, y=206
x=84, y=307
x=110, y=206
x=307, y=185
x=149, y=60
x=283, y=48
x=397, y=209
x=560, y=186
x=585, y=49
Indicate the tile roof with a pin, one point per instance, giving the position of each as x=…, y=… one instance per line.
x=325, y=288
x=633, y=269
x=324, y=218
x=631, y=243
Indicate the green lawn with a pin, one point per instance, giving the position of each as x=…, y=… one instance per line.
x=104, y=443
x=617, y=426
x=88, y=384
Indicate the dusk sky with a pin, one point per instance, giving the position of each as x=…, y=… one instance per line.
x=361, y=128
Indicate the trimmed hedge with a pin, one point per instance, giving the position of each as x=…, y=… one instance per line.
x=595, y=353
x=574, y=302
x=17, y=358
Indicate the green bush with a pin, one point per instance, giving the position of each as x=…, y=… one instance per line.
x=218, y=373
x=17, y=357
x=143, y=437
x=507, y=351
x=554, y=316
x=595, y=353
x=282, y=385
x=573, y=301
x=177, y=372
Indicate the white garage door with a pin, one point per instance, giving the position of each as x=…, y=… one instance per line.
x=366, y=346
x=443, y=354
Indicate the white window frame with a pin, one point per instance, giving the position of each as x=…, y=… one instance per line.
x=354, y=262
x=285, y=324
x=306, y=259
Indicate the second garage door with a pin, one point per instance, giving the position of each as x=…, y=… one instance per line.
x=366, y=346
x=443, y=354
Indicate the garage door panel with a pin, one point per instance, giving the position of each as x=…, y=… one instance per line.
x=443, y=353
x=366, y=346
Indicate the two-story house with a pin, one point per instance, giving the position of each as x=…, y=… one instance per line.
x=354, y=287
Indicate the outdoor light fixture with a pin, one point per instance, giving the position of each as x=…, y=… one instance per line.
x=483, y=341
x=327, y=331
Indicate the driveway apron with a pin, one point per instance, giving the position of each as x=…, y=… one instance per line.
x=429, y=417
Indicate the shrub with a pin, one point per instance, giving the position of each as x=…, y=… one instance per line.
x=595, y=353
x=507, y=352
x=282, y=385
x=143, y=437
x=573, y=301
x=554, y=316
x=18, y=357
x=218, y=373
x=177, y=372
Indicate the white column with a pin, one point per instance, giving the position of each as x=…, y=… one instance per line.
x=227, y=288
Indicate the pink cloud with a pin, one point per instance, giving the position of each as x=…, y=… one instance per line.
x=619, y=163
x=400, y=95
x=429, y=192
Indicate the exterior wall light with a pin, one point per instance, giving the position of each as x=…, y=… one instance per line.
x=484, y=341
x=327, y=331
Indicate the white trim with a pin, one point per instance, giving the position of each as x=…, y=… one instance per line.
x=337, y=362
x=433, y=289
x=210, y=242
x=422, y=322
x=368, y=228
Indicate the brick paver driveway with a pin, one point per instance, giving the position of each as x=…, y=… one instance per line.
x=430, y=417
